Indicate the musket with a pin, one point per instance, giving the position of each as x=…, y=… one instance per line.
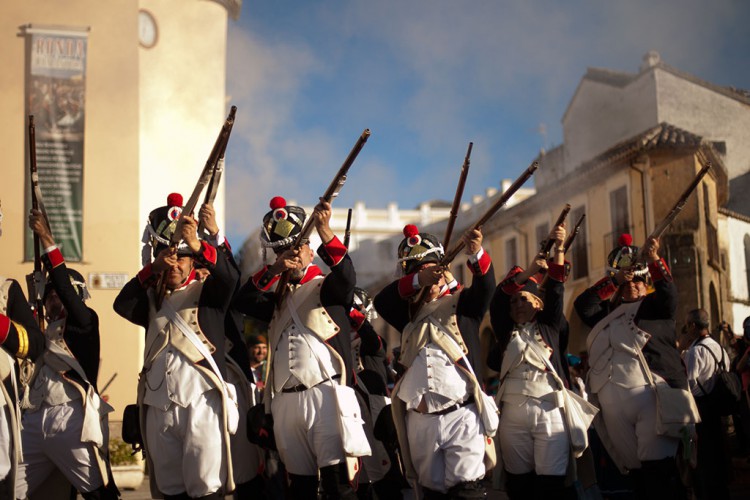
x=572, y=236
x=218, y=170
x=330, y=193
x=675, y=211
x=35, y=280
x=205, y=177
x=499, y=203
x=451, y=219
x=566, y=245
x=348, y=230
x=546, y=245
x=457, y=197
x=109, y=382
x=502, y=200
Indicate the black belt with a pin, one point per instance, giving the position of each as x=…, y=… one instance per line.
x=303, y=387
x=452, y=408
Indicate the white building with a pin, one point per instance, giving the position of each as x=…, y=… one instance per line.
x=376, y=232
x=369, y=242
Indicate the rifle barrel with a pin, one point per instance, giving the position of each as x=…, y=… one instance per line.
x=677, y=208
x=335, y=186
x=35, y=281
x=348, y=230
x=457, y=197
x=572, y=236
x=502, y=200
x=330, y=193
x=546, y=245
x=219, y=145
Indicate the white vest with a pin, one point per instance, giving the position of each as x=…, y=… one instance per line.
x=523, y=372
x=170, y=373
x=612, y=345
x=297, y=356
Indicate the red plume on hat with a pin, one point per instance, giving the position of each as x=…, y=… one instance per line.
x=277, y=202
x=174, y=200
x=281, y=224
x=625, y=240
x=410, y=230
x=418, y=248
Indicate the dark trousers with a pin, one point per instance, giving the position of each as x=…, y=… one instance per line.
x=712, y=472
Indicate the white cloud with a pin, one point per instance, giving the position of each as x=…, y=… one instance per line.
x=428, y=76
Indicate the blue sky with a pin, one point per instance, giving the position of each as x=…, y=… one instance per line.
x=429, y=76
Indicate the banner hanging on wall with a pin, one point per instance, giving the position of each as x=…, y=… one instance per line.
x=55, y=95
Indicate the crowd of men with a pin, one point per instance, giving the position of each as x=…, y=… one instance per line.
x=316, y=407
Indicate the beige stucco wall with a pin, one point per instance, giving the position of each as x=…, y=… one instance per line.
x=151, y=115
x=182, y=83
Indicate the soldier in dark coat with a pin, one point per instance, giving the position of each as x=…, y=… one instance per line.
x=437, y=406
x=309, y=348
x=626, y=320
x=529, y=323
x=20, y=338
x=188, y=410
x=64, y=387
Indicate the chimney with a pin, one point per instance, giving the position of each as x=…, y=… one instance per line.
x=651, y=59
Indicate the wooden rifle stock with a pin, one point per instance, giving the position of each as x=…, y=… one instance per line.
x=218, y=170
x=35, y=280
x=502, y=200
x=348, y=230
x=675, y=211
x=419, y=300
x=572, y=236
x=208, y=170
x=330, y=193
x=566, y=245
x=546, y=245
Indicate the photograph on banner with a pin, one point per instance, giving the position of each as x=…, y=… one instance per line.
x=55, y=97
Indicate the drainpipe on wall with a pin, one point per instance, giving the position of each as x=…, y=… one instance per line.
x=641, y=165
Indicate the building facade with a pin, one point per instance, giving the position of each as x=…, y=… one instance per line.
x=143, y=120
x=632, y=144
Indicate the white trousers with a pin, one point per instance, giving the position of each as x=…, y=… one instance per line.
x=446, y=449
x=630, y=418
x=532, y=437
x=186, y=446
x=307, y=430
x=51, y=438
x=5, y=462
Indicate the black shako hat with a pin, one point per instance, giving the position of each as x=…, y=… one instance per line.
x=417, y=249
x=625, y=256
x=282, y=224
x=162, y=223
